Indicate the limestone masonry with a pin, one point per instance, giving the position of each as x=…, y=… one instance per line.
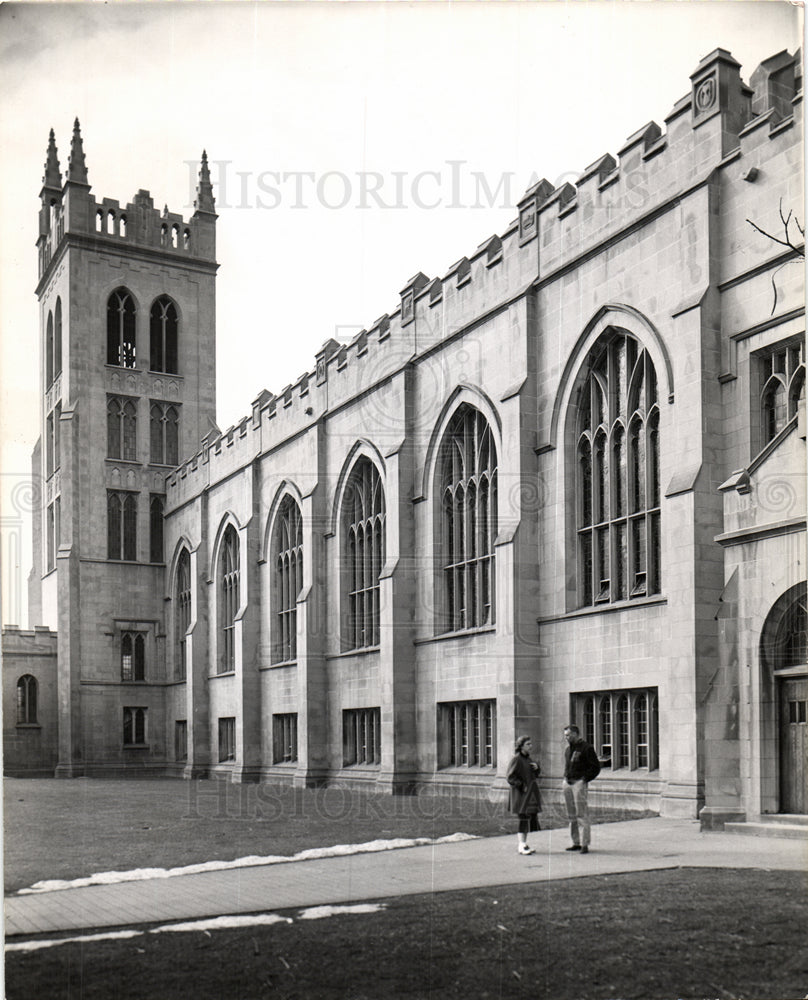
x=563, y=481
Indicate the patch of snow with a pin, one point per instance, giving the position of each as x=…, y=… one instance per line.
x=206, y=925
x=317, y=912
x=83, y=939
x=251, y=861
x=222, y=923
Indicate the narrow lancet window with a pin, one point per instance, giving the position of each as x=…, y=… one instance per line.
x=121, y=329
x=228, y=600
x=182, y=620
x=163, y=336
x=288, y=579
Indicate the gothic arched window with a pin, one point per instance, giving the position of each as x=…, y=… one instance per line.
x=27, y=689
x=121, y=428
x=49, y=351
x=363, y=546
x=121, y=329
x=164, y=433
x=287, y=555
x=134, y=726
x=784, y=640
x=782, y=380
x=468, y=521
x=228, y=582
x=57, y=339
x=163, y=336
x=121, y=525
x=133, y=656
x=182, y=620
x=617, y=473
x=156, y=526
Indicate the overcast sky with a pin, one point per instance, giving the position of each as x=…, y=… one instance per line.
x=352, y=145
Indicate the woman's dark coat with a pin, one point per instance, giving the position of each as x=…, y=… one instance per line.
x=525, y=797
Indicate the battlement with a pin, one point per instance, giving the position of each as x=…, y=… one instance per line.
x=68, y=209
x=141, y=223
x=340, y=373
x=654, y=166
x=720, y=119
x=22, y=643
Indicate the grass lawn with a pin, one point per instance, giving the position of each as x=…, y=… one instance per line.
x=680, y=933
x=67, y=829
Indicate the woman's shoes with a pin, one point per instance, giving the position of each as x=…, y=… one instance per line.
x=524, y=849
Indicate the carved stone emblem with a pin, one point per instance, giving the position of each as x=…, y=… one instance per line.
x=705, y=95
x=527, y=221
x=406, y=307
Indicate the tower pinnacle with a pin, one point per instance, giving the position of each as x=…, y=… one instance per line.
x=204, y=190
x=76, y=168
x=53, y=172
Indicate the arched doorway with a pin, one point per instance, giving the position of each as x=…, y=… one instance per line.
x=784, y=656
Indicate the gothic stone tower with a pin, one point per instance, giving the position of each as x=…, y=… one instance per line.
x=127, y=318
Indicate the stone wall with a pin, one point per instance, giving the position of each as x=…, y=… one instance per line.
x=30, y=743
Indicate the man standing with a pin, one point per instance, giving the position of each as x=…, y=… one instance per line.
x=581, y=765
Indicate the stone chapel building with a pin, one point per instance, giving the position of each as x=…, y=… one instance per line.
x=564, y=480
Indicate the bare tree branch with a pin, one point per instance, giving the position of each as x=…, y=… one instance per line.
x=774, y=239
x=787, y=242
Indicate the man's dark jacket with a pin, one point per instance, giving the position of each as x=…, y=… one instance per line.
x=581, y=761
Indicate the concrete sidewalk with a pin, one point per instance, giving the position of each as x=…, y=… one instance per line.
x=636, y=845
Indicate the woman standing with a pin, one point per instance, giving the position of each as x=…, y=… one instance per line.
x=525, y=798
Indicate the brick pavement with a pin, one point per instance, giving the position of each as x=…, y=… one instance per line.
x=637, y=845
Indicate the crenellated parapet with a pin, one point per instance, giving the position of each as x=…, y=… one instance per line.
x=655, y=166
x=140, y=223
x=720, y=119
x=70, y=210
